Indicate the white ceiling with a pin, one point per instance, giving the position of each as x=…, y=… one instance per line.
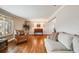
x=31, y=11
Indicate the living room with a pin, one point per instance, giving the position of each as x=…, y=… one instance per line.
x=39, y=29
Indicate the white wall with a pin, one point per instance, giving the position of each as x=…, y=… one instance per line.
x=67, y=20
x=18, y=23
x=49, y=27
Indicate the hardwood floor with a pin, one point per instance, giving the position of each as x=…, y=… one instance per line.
x=35, y=44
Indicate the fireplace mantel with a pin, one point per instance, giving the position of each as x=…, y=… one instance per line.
x=38, y=31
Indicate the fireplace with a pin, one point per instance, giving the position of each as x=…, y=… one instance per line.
x=38, y=31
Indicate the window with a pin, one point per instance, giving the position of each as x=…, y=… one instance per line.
x=6, y=25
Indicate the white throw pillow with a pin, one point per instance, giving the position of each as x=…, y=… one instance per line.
x=76, y=44
x=53, y=36
x=66, y=40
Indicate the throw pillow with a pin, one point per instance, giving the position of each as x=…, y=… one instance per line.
x=54, y=36
x=65, y=39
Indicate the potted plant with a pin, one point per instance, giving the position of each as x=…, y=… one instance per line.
x=26, y=27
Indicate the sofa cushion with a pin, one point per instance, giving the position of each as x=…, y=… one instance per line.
x=66, y=40
x=54, y=46
x=53, y=36
x=76, y=44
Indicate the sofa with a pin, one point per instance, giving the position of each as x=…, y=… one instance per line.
x=62, y=43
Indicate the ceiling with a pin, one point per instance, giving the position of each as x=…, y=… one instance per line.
x=33, y=12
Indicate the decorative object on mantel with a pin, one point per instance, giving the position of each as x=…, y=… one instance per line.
x=38, y=25
x=26, y=27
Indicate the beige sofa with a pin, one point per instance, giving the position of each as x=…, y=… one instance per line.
x=67, y=43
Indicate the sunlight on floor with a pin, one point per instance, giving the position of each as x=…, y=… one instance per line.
x=34, y=42
x=41, y=42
